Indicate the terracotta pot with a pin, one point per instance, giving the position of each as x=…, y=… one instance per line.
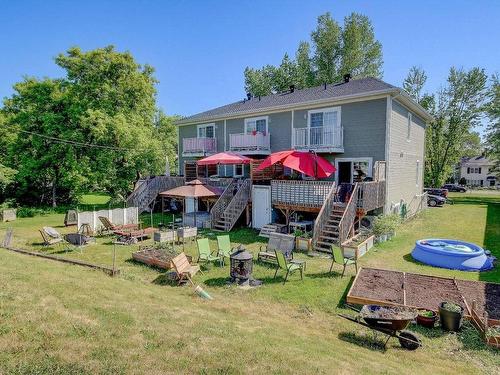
x=426, y=321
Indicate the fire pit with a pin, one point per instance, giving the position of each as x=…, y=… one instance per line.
x=241, y=268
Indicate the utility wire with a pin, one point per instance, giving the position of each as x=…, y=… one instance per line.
x=75, y=143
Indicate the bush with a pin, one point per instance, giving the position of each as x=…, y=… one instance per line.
x=385, y=224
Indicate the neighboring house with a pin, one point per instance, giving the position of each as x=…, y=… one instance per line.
x=477, y=171
x=354, y=124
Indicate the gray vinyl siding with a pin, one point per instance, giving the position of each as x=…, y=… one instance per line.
x=402, y=181
x=280, y=128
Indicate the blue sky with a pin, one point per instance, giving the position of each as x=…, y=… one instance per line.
x=200, y=48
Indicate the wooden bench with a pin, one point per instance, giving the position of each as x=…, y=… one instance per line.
x=184, y=269
x=277, y=242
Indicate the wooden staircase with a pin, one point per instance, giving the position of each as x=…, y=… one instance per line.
x=335, y=221
x=234, y=208
x=147, y=191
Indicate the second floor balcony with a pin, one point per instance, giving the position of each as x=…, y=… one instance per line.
x=199, y=146
x=319, y=138
x=258, y=143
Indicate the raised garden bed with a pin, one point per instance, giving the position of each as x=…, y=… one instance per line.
x=385, y=287
x=156, y=257
x=358, y=246
x=489, y=333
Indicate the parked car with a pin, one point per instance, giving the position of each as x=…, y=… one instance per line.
x=435, y=191
x=454, y=187
x=435, y=201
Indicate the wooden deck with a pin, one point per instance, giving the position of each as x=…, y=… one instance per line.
x=301, y=195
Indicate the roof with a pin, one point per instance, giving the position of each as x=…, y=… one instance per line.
x=478, y=160
x=335, y=91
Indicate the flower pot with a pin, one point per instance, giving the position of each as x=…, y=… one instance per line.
x=450, y=320
x=427, y=321
x=303, y=243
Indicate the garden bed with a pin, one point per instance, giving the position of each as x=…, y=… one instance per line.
x=156, y=257
x=358, y=246
x=384, y=287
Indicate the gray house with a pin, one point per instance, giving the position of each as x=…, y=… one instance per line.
x=365, y=127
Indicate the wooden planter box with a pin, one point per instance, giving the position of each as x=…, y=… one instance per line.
x=8, y=215
x=482, y=327
x=304, y=244
x=167, y=236
x=147, y=256
x=353, y=250
x=187, y=232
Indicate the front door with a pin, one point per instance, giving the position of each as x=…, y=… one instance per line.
x=344, y=172
x=261, y=206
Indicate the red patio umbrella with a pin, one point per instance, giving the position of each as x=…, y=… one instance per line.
x=227, y=157
x=308, y=163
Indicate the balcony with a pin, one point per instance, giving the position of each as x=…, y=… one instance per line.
x=258, y=143
x=198, y=146
x=321, y=138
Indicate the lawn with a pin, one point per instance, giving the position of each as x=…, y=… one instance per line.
x=56, y=318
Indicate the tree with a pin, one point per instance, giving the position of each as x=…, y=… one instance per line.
x=361, y=54
x=327, y=39
x=457, y=111
x=105, y=101
x=167, y=134
x=493, y=128
x=305, y=74
x=414, y=83
x=336, y=51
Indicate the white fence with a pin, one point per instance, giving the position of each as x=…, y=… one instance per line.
x=242, y=142
x=118, y=216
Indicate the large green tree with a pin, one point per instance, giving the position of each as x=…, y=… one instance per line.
x=493, y=128
x=336, y=51
x=92, y=129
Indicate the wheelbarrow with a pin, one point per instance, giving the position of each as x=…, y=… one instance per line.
x=389, y=320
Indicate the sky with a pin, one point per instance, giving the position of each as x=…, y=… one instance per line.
x=200, y=49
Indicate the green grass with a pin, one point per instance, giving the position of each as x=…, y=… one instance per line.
x=56, y=318
x=94, y=198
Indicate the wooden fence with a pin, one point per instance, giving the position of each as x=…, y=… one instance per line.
x=300, y=193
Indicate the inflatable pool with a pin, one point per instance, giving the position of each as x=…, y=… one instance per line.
x=452, y=254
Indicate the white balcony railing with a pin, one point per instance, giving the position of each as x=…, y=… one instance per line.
x=317, y=138
x=199, y=145
x=250, y=142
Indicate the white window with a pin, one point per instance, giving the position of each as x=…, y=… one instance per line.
x=408, y=135
x=238, y=170
x=206, y=131
x=325, y=117
x=256, y=125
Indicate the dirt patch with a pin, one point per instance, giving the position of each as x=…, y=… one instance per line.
x=428, y=292
x=486, y=295
x=380, y=285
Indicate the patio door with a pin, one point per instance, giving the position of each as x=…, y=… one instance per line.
x=344, y=171
x=261, y=206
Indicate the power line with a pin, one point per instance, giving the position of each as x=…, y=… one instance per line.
x=76, y=143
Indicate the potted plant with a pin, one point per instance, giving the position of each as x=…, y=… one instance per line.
x=450, y=315
x=384, y=226
x=358, y=245
x=303, y=240
x=426, y=318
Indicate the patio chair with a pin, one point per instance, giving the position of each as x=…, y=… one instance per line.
x=184, y=269
x=338, y=257
x=50, y=236
x=111, y=228
x=224, y=247
x=204, y=253
x=284, y=243
x=288, y=267
x=77, y=240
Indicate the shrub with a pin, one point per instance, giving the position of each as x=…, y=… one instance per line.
x=385, y=224
x=453, y=307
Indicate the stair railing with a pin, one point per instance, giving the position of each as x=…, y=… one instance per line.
x=237, y=204
x=220, y=206
x=324, y=214
x=347, y=221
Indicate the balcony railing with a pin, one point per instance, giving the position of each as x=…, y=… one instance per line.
x=199, y=145
x=300, y=193
x=250, y=142
x=327, y=138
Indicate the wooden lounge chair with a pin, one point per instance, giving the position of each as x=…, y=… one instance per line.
x=50, y=236
x=185, y=271
x=131, y=237
x=111, y=228
x=284, y=243
x=288, y=267
x=224, y=247
x=204, y=253
x=338, y=257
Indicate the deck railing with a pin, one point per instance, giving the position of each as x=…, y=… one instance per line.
x=250, y=142
x=300, y=193
x=199, y=145
x=324, y=214
x=347, y=222
x=220, y=206
x=371, y=195
x=147, y=192
x=321, y=137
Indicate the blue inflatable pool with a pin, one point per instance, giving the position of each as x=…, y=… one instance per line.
x=452, y=254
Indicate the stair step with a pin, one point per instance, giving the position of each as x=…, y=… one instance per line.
x=335, y=238
x=325, y=243
x=334, y=230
